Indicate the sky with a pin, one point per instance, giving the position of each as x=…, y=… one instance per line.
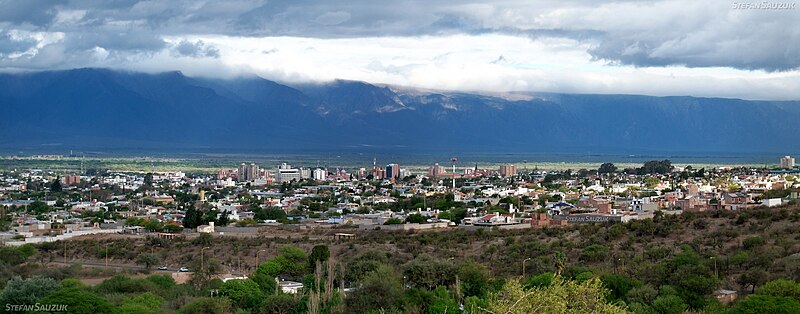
x=734, y=49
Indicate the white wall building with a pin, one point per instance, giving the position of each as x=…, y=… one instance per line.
x=320, y=174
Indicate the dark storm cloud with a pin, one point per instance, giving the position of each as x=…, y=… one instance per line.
x=662, y=33
x=196, y=49
x=37, y=13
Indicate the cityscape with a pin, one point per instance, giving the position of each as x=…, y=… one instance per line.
x=415, y=157
x=95, y=211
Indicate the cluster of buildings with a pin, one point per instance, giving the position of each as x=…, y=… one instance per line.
x=371, y=198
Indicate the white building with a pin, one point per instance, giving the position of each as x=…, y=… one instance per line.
x=320, y=174
x=286, y=173
x=787, y=162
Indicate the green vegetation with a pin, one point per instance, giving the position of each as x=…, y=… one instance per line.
x=667, y=264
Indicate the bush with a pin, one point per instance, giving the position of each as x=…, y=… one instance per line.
x=206, y=306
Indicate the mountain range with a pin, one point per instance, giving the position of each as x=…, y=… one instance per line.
x=109, y=109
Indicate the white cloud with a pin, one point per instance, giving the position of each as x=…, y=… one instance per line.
x=467, y=62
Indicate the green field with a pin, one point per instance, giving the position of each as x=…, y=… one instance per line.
x=212, y=164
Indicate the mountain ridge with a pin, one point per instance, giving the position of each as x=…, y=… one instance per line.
x=115, y=109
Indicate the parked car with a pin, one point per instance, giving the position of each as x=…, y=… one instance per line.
x=162, y=268
x=183, y=269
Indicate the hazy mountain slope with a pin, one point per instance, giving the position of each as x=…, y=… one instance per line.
x=117, y=110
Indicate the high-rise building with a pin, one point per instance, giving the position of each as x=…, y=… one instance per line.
x=252, y=172
x=508, y=170
x=392, y=171
x=242, y=173
x=249, y=172
x=320, y=174
x=787, y=162
x=436, y=170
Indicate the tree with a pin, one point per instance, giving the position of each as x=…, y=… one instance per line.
x=644, y=294
x=27, y=291
x=148, y=180
x=172, y=228
x=619, y=285
x=380, y=290
x=367, y=262
x=607, y=168
x=781, y=288
x=415, y=219
x=203, y=270
x=758, y=303
x=474, y=279
x=145, y=303
x=293, y=260
x=192, y=218
x=655, y=167
x=244, y=293
x=271, y=213
x=55, y=186
x=594, y=253
x=207, y=306
x=753, y=278
x=393, y=221
x=280, y=304
x=428, y=272
x=38, y=208
x=265, y=279
x=441, y=302
x=123, y=284
x=540, y=280
x=153, y=225
x=562, y=296
x=223, y=219
x=148, y=260
x=320, y=253
x=79, y=301
x=669, y=304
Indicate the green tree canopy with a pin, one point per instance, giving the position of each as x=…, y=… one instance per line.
x=562, y=296
x=207, y=306
x=27, y=291
x=244, y=293
x=79, y=301
x=380, y=290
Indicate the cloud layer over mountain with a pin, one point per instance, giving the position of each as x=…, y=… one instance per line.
x=702, y=48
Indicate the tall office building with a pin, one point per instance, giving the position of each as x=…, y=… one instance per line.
x=252, y=172
x=508, y=170
x=436, y=170
x=392, y=171
x=242, y=172
x=249, y=172
x=787, y=162
x=320, y=174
